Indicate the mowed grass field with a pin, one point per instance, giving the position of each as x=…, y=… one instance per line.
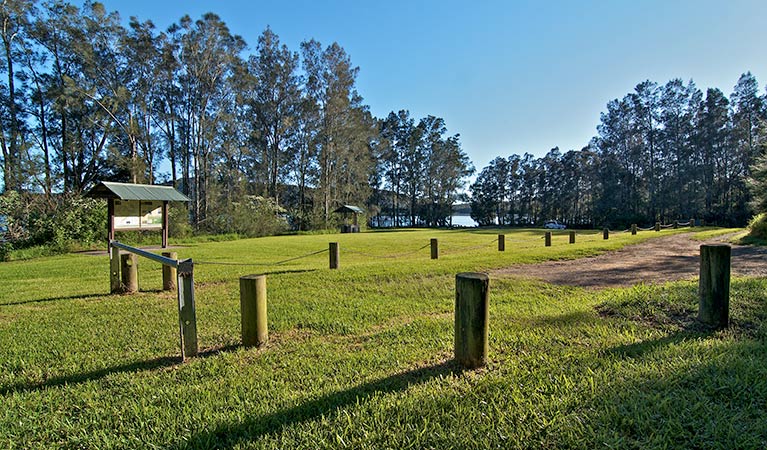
x=361, y=357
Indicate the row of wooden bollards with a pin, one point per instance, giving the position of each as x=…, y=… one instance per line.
x=472, y=296
x=129, y=273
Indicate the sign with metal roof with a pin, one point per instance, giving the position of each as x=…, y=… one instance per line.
x=128, y=191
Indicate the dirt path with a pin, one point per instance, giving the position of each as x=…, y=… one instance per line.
x=654, y=261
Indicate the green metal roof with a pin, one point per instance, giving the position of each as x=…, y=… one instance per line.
x=127, y=191
x=349, y=209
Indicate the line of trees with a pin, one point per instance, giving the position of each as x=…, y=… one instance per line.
x=662, y=152
x=84, y=98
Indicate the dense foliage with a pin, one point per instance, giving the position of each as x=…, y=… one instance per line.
x=661, y=153
x=85, y=98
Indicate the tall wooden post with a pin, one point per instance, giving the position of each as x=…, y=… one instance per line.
x=547, y=239
x=187, y=315
x=572, y=237
x=633, y=229
x=165, y=224
x=253, y=310
x=129, y=272
x=115, y=286
x=471, y=319
x=334, y=255
x=657, y=226
x=605, y=234
x=169, y=273
x=434, y=248
x=501, y=242
x=714, y=285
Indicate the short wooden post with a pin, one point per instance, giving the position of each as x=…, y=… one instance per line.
x=253, y=310
x=129, y=272
x=471, y=319
x=714, y=285
x=115, y=286
x=434, y=248
x=676, y=224
x=633, y=229
x=702, y=222
x=547, y=239
x=169, y=274
x=334, y=255
x=605, y=234
x=692, y=222
x=657, y=226
x=572, y=237
x=187, y=315
x=501, y=242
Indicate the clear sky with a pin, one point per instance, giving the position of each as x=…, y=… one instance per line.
x=509, y=76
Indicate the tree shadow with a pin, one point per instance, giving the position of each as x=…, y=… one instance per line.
x=54, y=299
x=230, y=435
x=137, y=366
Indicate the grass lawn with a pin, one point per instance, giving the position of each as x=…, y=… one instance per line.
x=361, y=357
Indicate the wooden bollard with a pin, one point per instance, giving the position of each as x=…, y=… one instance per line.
x=657, y=226
x=187, y=311
x=115, y=286
x=702, y=222
x=471, y=319
x=501, y=242
x=334, y=255
x=605, y=234
x=169, y=274
x=714, y=285
x=129, y=272
x=572, y=237
x=547, y=239
x=692, y=222
x=253, y=310
x=676, y=224
x=633, y=229
x=434, y=248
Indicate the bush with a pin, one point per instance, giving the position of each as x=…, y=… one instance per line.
x=757, y=227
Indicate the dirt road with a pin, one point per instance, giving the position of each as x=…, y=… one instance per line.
x=654, y=261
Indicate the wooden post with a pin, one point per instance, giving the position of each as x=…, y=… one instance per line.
x=572, y=237
x=165, y=224
x=169, y=274
x=129, y=272
x=334, y=255
x=110, y=220
x=115, y=286
x=702, y=222
x=187, y=316
x=692, y=222
x=714, y=285
x=253, y=310
x=501, y=242
x=676, y=224
x=605, y=234
x=633, y=229
x=471, y=319
x=547, y=239
x=434, y=248
x=657, y=226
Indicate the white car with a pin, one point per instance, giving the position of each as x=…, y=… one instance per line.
x=554, y=225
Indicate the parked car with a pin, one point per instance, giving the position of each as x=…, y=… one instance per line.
x=554, y=225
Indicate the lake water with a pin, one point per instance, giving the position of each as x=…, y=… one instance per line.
x=463, y=221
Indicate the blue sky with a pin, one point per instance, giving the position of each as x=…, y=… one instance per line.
x=509, y=76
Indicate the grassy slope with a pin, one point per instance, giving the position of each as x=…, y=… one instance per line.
x=360, y=357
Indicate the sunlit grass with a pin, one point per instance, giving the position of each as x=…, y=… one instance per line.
x=360, y=357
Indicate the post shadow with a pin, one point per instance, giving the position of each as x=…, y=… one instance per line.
x=229, y=435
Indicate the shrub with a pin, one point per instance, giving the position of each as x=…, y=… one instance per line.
x=757, y=227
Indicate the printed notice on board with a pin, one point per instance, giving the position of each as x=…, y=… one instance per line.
x=138, y=215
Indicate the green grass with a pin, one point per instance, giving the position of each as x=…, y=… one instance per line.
x=361, y=357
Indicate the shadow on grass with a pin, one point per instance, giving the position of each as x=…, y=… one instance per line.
x=233, y=434
x=138, y=366
x=55, y=299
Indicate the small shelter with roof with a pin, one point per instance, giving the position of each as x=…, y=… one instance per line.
x=350, y=214
x=136, y=206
